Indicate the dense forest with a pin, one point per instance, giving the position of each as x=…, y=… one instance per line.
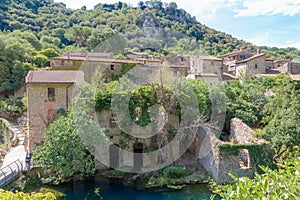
x=33, y=31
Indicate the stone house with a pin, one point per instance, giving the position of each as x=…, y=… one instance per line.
x=291, y=67
x=240, y=62
x=47, y=92
x=230, y=59
x=90, y=62
x=208, y=68
x=253, y=65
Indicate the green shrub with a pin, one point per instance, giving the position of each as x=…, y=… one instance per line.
x=175, y=172
x=12, y=106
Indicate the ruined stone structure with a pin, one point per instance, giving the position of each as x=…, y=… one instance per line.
x=219, y=163
x=127, y=159
x=47, y=92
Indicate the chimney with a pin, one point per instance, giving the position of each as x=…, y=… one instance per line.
x=258, y=51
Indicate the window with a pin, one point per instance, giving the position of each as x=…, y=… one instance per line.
x=256, y=66
x=63, y=63
x=112, y=67
x=51, y=94
x=181, y=59
x=231, y=68
x=242, y=56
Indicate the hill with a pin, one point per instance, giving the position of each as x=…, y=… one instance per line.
x=50, y=21
x=35, y=30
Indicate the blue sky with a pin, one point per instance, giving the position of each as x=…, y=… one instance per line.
x=261, y=22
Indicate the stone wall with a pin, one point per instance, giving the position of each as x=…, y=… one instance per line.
x=212, y=67
x=126, y=158
x=295, y=68
x=41, y=110
x=242, y=133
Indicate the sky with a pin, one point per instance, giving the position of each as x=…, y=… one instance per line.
x=261, y=22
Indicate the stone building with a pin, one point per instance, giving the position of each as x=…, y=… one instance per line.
x=230, y=59
x=90, y=62
x=47, y=93
x=291, y=67
x=253, y=65
x=123, y=152
x=208, y=68
x=239, y=62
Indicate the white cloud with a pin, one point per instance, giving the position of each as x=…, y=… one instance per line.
x=268, y=7
x=260, y=39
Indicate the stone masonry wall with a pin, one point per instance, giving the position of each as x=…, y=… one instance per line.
x=40, y=110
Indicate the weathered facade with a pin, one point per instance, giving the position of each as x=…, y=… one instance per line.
x=47, y=92
x=127, y=159
x=253, y=65
x=208, y=68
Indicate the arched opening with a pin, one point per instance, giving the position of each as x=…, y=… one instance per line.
x=114, y=156
x=138, y=156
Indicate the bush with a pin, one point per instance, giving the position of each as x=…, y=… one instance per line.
x=24, y=196
x=175, y=172
x=12, y=106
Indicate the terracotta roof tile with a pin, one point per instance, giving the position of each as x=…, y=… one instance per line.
x=54, y=76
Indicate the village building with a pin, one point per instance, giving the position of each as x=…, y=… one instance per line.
x=253, y=66
x=241, y=62
x=208, y=68
x=48, y=93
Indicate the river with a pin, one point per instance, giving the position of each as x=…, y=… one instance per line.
x=114, y=190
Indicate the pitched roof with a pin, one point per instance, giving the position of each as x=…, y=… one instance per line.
x=95, y=59
x=54, y=76
x=251, y=58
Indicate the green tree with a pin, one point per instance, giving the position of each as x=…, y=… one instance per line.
x=79, y=35
x=245, y=101
x=63, y=153
x=100, y=35
x=283, y=111
x=39, y=59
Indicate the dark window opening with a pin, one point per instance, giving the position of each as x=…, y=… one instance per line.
x=51, y=94
x=63, y=63
x=112, y=67
x=256, y=66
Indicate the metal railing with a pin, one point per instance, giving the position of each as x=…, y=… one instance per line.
x=9, y=172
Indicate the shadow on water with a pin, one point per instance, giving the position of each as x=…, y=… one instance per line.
x=106, y=189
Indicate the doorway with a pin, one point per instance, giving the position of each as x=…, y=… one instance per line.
x=138, y=156
x=114, y=156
